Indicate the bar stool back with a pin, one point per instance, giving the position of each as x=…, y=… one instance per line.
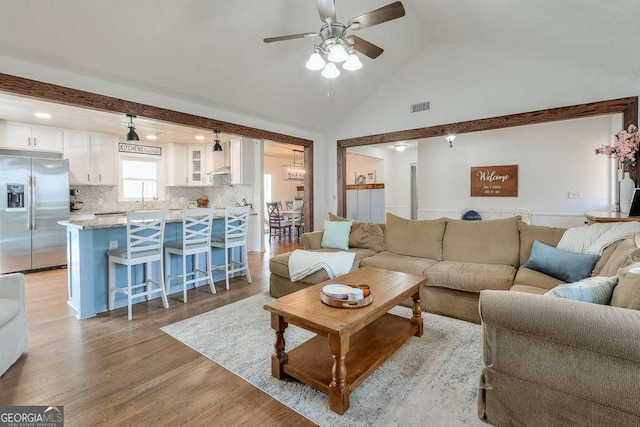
x=145, y=235
x=196, y=240
x=236, y=220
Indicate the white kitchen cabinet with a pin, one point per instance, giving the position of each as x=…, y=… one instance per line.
x=92, y=158
x=103, y=159
x=20, y=136
x=366, y=205
x=197, y=165
x=177, y=165
x=241, y=158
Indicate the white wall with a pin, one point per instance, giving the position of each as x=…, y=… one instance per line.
x=552, y=159
x=398, y=185
x=357, y=163
x=467, y=83
x=281, y=190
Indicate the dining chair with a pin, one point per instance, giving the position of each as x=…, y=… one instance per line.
x=145, y=236
x=289, y=204
x=196, y=241
x=277, y=224
x=236, y=224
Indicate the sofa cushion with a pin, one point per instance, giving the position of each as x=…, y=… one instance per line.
x=627, y=293
x=9, y=309
x=564, y=265
x=336, y=235
x=368, y=236
x=470, y=277
x=403, y=263
x=528, y=233
x=532, y=278
x=279, y=264
x=486, y=242
x=414, y=238
x=604, y=258
x=356, y=237
x=620, y=257
x=597, y=290
x=528, y=289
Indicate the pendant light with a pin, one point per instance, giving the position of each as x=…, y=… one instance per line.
x=132, y=135
x=217, y=146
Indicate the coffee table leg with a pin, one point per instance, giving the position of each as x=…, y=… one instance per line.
x=338, y=390
x=280, y=356
x=417, y=313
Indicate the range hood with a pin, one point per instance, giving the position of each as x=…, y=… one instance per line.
x=221, y=161
x=225, y=170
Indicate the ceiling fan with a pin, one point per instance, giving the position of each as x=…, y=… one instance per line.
x=337, y=44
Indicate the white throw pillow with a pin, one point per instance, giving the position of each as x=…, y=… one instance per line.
x=597, y=290
x=336, y=234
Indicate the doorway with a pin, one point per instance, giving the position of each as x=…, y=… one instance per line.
x=414, y=191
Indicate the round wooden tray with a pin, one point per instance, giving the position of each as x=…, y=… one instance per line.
x=343, y=303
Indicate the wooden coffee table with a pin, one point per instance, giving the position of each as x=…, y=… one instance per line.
x=359, y=339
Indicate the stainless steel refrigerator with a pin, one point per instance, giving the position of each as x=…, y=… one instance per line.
x=35, y=196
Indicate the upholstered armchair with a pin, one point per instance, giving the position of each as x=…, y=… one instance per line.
x=13, y=320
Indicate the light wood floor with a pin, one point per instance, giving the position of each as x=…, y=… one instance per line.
x=110, y=371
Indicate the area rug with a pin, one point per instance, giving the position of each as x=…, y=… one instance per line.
x=431, y=380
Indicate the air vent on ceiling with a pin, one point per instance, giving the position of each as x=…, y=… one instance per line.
x=421, y=106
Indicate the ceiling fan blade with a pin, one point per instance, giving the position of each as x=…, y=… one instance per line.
x=366, y=48
x=327, y=10
x=386, y=13
x=289, y=37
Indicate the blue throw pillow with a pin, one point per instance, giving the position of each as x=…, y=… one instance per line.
x=336, y=234
x=564, y=265
x=597, y=290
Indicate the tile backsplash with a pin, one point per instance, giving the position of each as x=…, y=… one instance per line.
x=105, y=198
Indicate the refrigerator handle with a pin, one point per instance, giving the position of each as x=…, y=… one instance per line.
x=29, y=208
x=33, y=203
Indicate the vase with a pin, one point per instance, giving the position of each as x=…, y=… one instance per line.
x=626, y=193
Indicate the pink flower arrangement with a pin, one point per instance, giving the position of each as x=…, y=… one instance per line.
x=624, y=148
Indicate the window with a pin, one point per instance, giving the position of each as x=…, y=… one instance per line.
x=139, y=179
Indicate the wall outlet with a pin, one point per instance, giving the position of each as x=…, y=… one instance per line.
x=113, y=244
x=575, y=194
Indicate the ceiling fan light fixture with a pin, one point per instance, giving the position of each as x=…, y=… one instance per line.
x=450, y=139
x=315, y=62
x=330, y=71
x=352, y=63
x=337, y=53
x=132, y=135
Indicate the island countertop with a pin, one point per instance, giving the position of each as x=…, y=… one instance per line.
x=121, y=220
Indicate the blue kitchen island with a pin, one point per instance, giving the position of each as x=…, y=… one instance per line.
x=87, y=246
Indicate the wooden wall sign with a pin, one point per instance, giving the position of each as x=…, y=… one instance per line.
x=494, y=181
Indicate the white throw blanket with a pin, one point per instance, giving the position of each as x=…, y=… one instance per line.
x=303, y=263
x=593, y=239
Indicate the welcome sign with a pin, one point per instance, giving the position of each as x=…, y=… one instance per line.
x=494, y=181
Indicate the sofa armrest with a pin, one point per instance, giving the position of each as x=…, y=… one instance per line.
x=597, y=328
x=12, y=287
x=312, y=240
x=579, y=360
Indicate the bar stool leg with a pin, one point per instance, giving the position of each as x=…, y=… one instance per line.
x=210, y=271
x=147, y=279
x=167, y=272
x=129, y=292
x=184, y=278
x=226, y=267
x=112, y=285
x=163, y=291
x=246, y=263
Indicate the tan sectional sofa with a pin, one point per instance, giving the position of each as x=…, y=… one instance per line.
x=459, y=258
x=546, y=361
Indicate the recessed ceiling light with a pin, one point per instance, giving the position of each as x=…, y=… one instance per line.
x=199, y=137
x=42, y=115
x=152, y=136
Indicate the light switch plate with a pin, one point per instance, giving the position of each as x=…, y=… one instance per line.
x=575, y=194
x=113, y=244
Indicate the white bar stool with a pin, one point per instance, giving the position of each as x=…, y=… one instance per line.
x=196, y=240
x=145, y=234
x=236, y=220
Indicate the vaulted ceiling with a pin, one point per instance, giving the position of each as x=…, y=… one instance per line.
x=211, y=52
